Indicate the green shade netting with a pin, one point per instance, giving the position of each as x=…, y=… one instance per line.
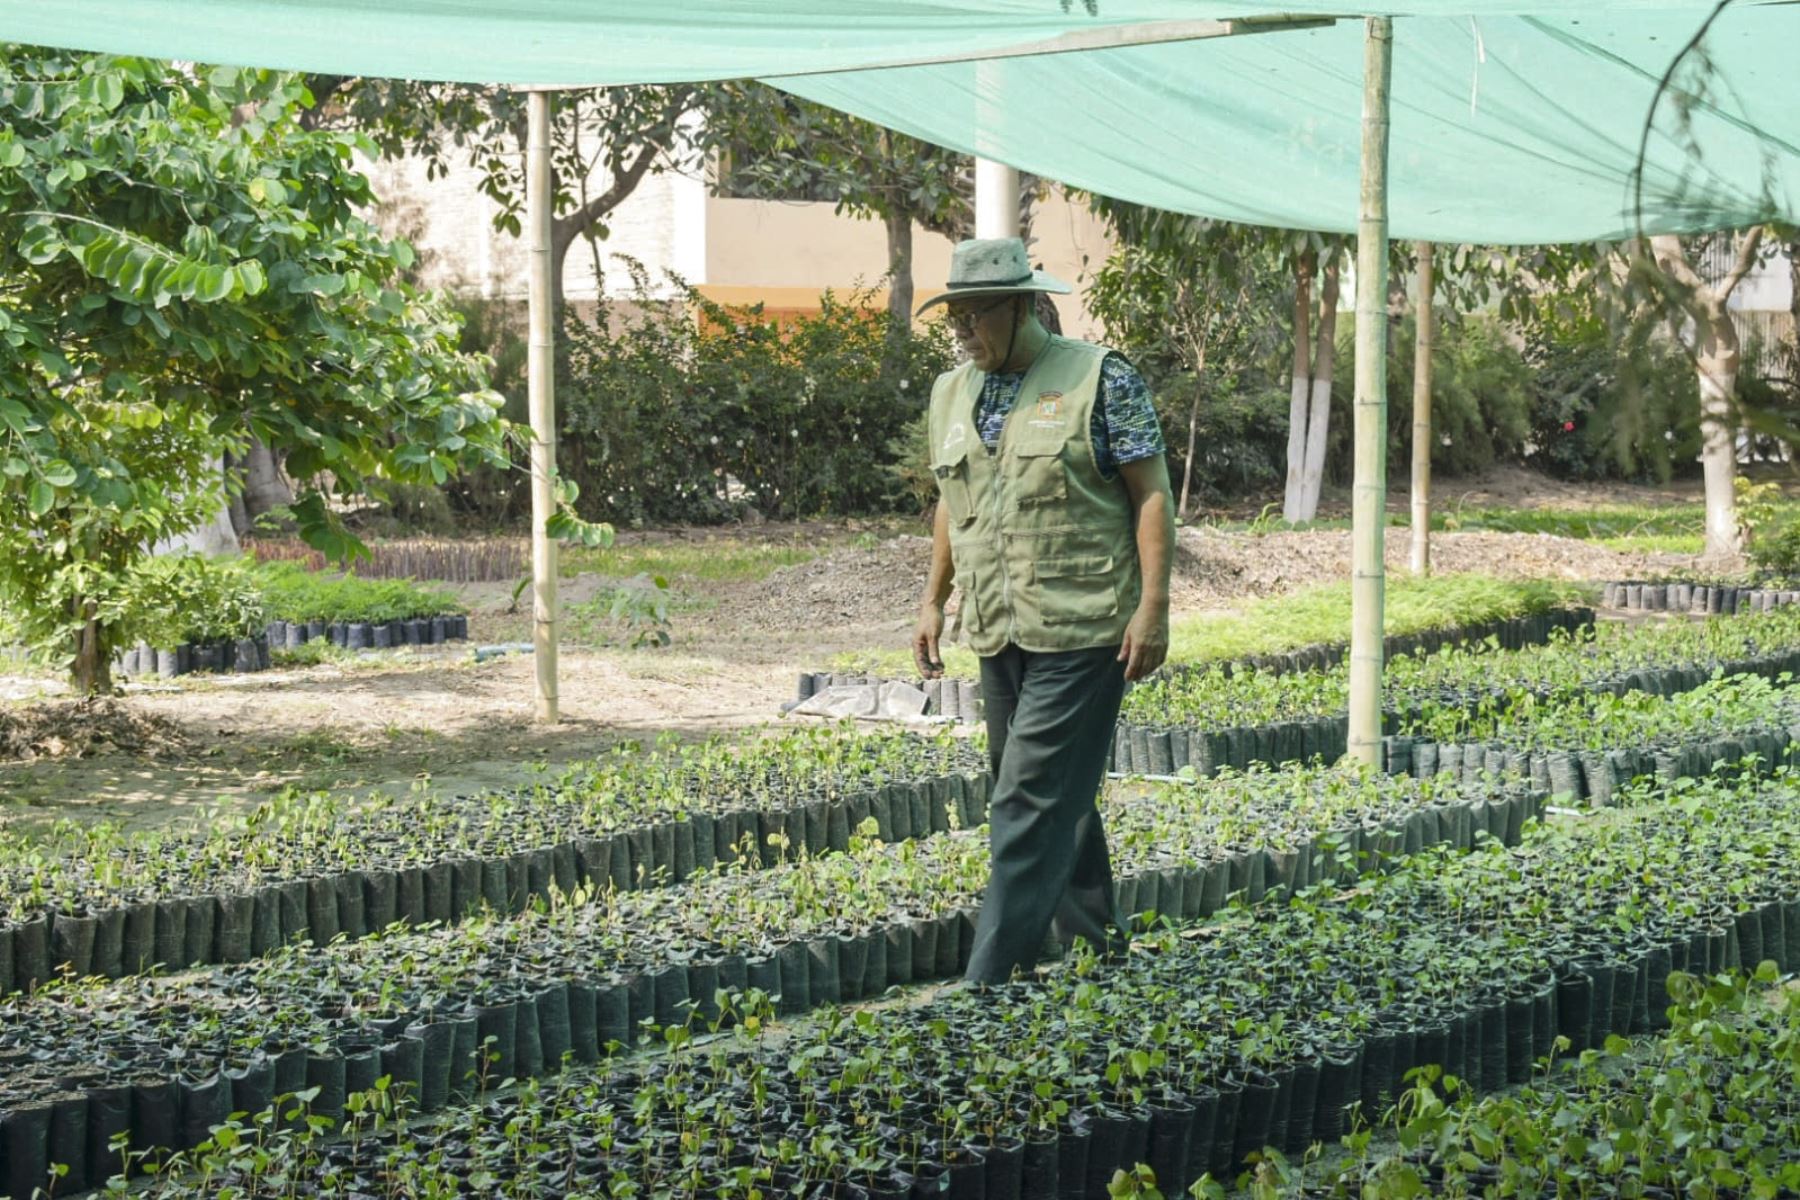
x=1513, y=121
x=1504, y=129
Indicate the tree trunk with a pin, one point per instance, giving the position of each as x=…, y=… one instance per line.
x=265, y=487
x=1318, y=423
x=1718, y=368
x=1300, y=386
x=1421, y=421
x=562, y=238
x=1716, y=359
x=900, y=270
x=91, y=672
x=1187, y=464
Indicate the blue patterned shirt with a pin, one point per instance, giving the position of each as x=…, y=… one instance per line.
x=1123, y=428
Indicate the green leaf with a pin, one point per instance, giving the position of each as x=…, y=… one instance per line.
x=214, y=284
x=12, y=154
x=40, y=497
x=250, y=277
x=321, y=285
x=59, y=473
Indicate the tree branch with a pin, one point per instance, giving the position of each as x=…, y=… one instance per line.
x=624, y=183
x=1746, y=260
x=1667, y=250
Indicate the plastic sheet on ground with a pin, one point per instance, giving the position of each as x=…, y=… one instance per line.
x=890, y=701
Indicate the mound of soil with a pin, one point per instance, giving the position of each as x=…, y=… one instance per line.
x=78, y=728
x=844, y=587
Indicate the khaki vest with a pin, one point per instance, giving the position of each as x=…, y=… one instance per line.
x=1043, y=546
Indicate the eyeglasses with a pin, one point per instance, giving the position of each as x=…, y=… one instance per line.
x=966, y=318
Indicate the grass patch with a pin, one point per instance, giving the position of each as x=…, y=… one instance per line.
x=1601, y=523
x=715, y=561
x=1315, y=615
x=1321, y=614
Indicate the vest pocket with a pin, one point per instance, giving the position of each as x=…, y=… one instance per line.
x=1077, y=588
x=953, y=489
x=1040, y=477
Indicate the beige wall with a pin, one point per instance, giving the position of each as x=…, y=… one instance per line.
x=738, y=251
x=788, y=251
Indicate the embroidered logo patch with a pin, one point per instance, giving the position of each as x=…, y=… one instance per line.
x=1049, y=405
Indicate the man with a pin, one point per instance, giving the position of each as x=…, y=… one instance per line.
x=1054, y=514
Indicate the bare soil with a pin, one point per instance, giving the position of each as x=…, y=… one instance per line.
x=177, y=752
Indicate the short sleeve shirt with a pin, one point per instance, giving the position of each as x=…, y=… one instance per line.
x=1123, y=428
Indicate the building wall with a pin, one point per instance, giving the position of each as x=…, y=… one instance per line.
x=785, y=254
x=739, y=251
x=450, y=221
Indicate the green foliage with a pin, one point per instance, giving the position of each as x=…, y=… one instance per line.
x=292, y=593
x=190, y=598
x=693, y=413
x=185, y=263
x=1198, y=306
x=1777, y=551
x=780, y=146
x=1321, y=615
x=640, y=608
x=1313, y=616
x=1480, y=396
x=1603, y=409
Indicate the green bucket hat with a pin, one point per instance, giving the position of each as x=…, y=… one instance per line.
x=993, y=267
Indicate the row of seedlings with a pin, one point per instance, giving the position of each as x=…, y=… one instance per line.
x=1588, y=747
x=1697, y=598
x=240, y=656
x=1278, y=1027
x=371, y=635
x=162, y=1062
x=94, y=900
x=1709, y=1108
x=1223, y=717
x=960, y=699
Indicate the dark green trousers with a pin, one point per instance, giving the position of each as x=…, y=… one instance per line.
x=1050, y=724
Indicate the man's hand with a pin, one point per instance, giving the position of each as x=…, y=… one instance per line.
x=925, y=640
x=1146, y=641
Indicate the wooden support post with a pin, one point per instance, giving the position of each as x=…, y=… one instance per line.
x=541, y=365
x=1421, y=421
x=1369, y=491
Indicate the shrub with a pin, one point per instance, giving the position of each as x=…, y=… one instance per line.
x=179, y=598
x=1598, y=412
x=696, y=412
x=1480, y=397
x=293, y=593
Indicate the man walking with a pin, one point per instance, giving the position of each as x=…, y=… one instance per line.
x=1054, y=514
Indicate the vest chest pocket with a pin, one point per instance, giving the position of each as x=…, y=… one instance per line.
x=1039, y=476
x=953, y=488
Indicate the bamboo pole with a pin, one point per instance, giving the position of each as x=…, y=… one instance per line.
x=542, y=403
x=1421, y=421
x=1369, y=493
x=996, y=200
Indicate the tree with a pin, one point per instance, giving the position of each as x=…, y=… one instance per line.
x=779, y=146
x=1181, y=298
x=184, y=262
x=1717, y=357
x=604, y=143
x=1309, y=412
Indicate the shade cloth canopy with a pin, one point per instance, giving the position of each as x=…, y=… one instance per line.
x=1513, y=120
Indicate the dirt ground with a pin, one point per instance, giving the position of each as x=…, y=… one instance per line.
x=183, y=750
